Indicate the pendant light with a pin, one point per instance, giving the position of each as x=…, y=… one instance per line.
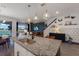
x=46, y=14
x=29, y=19
x=35, y=17
x=57, y=12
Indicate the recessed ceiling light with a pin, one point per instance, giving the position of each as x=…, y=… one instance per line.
x=29, y=5
x=57, y=12
x=43, y=4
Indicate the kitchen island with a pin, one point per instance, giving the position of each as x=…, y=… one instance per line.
x=40, y=47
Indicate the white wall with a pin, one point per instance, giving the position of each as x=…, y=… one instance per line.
x=71, y=30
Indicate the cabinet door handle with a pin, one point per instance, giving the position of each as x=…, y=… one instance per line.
x=18, y=53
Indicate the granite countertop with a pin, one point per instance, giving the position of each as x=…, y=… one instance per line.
x=42, y=46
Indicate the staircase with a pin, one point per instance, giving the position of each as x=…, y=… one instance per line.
x=51, y=21
x=71, y=30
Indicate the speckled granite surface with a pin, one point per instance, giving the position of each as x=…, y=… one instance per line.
x=42, y=46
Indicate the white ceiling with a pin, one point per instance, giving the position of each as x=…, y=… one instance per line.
x=21, y=10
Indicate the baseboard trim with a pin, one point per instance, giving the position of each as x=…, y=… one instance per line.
x=75, y=43
x=72, y=42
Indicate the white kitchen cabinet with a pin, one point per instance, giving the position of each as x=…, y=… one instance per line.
x=21, y=51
